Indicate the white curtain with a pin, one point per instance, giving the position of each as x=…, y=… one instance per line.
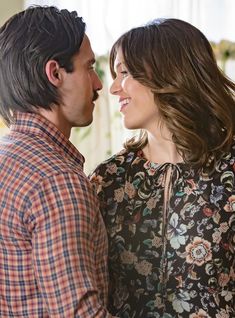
x=108, y=19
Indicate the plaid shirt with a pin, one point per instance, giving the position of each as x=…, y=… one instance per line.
x=53, y=244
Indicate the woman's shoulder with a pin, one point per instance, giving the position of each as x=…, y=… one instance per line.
x=230, y=156
x=116, y=163
x=233, y=148
x=118, y=157
x=111, y=169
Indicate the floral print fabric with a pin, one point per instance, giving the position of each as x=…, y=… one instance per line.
x=171, y=249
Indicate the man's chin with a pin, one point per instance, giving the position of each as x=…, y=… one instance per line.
x=87, y=123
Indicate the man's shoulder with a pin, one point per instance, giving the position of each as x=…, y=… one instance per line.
x=35, y=155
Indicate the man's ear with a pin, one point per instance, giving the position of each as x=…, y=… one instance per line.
x=53, y=70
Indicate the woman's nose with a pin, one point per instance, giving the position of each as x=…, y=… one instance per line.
x=116, y=87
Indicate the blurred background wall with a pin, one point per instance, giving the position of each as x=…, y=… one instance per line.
x=8, y=8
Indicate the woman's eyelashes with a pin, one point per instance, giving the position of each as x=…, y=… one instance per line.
x=124, y=73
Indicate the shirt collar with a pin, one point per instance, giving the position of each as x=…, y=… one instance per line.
x=35, y=124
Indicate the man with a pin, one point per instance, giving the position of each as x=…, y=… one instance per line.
x=53, y=246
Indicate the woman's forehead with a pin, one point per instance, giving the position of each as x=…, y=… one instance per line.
x=119, y=59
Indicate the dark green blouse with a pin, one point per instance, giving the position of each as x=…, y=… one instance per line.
x=171, y=246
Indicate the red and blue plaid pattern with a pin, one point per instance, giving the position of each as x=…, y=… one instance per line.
x=53, y=244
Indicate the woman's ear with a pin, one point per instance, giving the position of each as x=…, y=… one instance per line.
x=53, y=69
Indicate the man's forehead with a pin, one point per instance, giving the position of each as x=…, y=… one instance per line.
x=85, y=52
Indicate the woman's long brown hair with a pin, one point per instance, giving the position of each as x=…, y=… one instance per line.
x=195, y=99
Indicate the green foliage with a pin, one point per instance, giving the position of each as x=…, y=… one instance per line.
x=103, y=59
x=83, y=132
x=224, y=50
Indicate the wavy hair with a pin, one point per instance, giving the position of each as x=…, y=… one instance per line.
x=195, y=99
x=28, y=40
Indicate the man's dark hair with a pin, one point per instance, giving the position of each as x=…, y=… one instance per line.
x=28, y=40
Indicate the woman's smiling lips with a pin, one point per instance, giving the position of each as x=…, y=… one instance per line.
x=123, y=102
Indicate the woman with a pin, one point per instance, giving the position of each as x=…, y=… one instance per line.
x=168, y=198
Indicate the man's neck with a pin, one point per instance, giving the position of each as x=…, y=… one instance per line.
x=55, y=117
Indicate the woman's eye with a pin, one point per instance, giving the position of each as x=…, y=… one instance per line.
x=124, y=73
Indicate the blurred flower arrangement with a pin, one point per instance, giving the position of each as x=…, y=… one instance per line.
x=224, y=51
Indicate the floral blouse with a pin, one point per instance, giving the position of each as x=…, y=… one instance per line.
x=171, y=249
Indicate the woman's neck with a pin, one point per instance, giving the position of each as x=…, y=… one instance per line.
x=161, y=149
